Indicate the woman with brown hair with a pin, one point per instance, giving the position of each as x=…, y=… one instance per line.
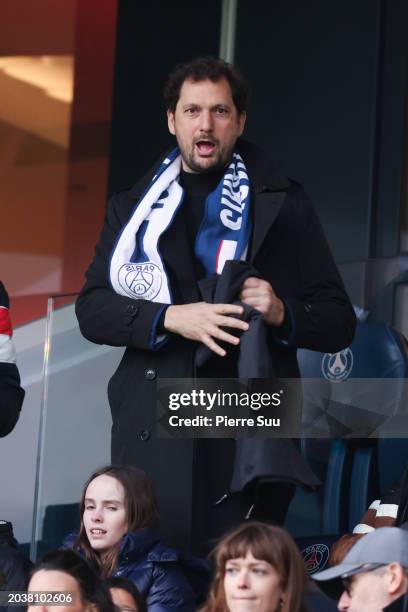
x=258, y=569
x=118, y=516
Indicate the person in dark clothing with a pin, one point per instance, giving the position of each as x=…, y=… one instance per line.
x=14, y=566
x=11, y=393
x=118, y=517
x=213, y=199
x=125, y=595
x=69, y=576
x=373, y=576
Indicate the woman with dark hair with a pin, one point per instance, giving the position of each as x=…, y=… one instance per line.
x=125, y=595
x=118, y=516
x=258, y=569
x=68, y=574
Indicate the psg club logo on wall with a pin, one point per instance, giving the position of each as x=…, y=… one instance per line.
x=315, y=557
x=337, y=366
x=141, y=280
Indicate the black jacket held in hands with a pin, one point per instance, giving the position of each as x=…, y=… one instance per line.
x=279, y=459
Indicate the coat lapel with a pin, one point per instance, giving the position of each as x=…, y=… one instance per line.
x=266, y=206
x=268, y=191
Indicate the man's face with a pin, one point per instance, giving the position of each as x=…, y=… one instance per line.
x=206, y=124
x=367, y=592
x=59, y=581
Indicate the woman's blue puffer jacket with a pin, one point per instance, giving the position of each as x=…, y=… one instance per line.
x=167, y=578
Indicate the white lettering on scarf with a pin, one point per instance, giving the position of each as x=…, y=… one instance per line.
x=231, y=189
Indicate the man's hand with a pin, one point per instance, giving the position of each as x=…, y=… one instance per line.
x=259, y=294
x=202, y=322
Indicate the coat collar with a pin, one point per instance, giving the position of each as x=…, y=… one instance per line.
x=144, y=543
x=264, y=173
x=267, y=205
x=268, y=190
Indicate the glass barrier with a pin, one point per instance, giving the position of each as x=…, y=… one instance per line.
x=75, y=423
x=18, y=450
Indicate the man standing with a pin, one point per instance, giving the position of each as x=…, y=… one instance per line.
x=213, y=199
x=373, y=575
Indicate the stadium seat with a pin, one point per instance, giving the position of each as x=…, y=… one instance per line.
x=352, y=473
x=59, y=521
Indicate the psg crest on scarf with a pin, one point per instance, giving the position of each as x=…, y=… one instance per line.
x=140, y=280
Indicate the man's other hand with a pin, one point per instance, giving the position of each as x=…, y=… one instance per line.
x=203, y=322
x=259, y=294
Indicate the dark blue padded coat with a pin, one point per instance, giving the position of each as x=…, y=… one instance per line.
x=166, y=578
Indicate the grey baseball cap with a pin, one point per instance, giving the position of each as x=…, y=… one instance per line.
x=380, y=547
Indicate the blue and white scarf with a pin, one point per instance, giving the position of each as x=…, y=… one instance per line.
x=137, y=269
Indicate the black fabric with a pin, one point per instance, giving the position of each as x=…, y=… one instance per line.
x=196, y=189
x=160, y=323
x=317, y=601
x=14, y=567
x=258, y=501
x=200, y=183
x=11, y=400
x=4, y=298
x=11, y=392
x=288, y=249
x=252, y=359
x=254, y=457
x=400, y=497
x=399, y=605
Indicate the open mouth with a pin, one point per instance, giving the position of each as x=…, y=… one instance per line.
x=98, y=532
x=205, y=147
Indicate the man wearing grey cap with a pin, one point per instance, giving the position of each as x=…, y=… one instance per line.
x=373, y=575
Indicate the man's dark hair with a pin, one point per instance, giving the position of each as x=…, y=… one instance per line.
x=201, y=69
x=117, y=582
x=91, y=587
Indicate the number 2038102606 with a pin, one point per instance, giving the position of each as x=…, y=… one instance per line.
x=36, y=598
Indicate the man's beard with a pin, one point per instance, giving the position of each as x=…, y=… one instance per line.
x=219, y=161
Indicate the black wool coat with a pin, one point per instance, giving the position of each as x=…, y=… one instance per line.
x=289, y=250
